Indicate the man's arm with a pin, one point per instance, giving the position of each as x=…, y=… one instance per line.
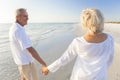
x=36, y=56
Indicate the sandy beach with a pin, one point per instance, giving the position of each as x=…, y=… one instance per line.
x=56, y=47
x=114, y=70
x=52, y=51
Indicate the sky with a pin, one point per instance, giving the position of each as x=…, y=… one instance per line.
x=45, y=11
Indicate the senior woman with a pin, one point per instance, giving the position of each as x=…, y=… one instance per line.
x=94, y=50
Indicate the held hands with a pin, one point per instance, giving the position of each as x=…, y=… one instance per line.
x=45, y=70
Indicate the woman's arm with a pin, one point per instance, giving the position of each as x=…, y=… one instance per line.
x=65, y=58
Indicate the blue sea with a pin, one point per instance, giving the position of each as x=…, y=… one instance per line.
x=50, y=40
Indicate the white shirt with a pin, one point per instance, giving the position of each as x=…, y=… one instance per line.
x=92, y=60
x=19, y=41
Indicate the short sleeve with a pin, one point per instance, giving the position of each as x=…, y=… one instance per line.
x=23, y=39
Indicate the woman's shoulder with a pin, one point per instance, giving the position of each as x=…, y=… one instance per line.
x=109, y=36
x=78, y=40
x=82, y=40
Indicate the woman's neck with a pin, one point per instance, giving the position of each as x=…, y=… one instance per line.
x=93, y=34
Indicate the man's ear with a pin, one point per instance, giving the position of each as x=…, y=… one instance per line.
x=17, y=18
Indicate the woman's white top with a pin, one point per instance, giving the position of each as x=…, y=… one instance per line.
x=92, y=60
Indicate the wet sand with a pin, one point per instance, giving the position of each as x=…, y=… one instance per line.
x=114, y=70
x=56, y=47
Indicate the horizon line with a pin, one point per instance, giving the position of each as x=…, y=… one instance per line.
x=58, y=22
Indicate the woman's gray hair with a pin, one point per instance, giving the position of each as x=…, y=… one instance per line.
x=92, y=20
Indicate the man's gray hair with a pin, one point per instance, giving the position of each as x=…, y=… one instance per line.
x=19, y=11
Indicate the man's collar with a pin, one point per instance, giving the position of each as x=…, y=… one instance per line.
x=18, y=25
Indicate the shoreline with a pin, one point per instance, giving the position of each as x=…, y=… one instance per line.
x=55, y=52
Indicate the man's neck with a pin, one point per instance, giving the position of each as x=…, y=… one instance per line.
x=20, y=23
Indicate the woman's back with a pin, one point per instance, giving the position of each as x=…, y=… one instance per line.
x=93, y=57
x=94, y=50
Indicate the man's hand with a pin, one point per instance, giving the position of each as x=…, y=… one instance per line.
x=44, y=70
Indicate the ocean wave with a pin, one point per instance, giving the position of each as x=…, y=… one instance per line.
x=49, y=31
x=4, y=41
